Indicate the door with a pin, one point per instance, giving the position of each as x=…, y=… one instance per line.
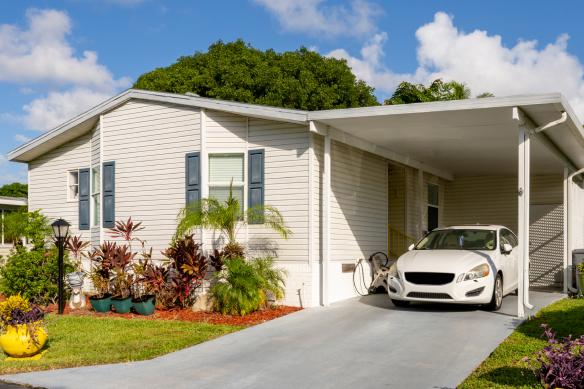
x=509, y=260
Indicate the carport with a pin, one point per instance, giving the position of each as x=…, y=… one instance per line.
x=512, y=138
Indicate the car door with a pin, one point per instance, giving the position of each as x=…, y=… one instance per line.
x=509, y=260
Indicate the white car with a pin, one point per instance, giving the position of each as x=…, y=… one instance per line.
x=474, y=264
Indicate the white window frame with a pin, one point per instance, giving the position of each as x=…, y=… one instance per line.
x=95, y=222
x=429, y=205
x=218, y=184
x=69, y=185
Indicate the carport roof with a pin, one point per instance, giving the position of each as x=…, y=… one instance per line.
x=463, y=137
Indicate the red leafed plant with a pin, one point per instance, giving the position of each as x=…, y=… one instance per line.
x=125, y=230
x=122, y=278
x=76, y=246
x=187, y=269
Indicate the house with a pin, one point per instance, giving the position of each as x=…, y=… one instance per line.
x=7, y=205
x=349, y=182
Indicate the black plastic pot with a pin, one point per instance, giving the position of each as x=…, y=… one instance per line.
x=144, y=305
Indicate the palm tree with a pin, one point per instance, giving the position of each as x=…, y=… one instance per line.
x=227, y=217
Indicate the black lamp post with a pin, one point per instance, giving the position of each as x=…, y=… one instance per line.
x=60, y=231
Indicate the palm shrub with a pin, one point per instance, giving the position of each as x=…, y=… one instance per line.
x=239, y=288
x=245, y=286
x=227, y=217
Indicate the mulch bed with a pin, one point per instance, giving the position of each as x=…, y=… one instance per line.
x=188, y=315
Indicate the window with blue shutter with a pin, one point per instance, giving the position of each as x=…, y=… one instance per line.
x=193, y=177
x=256, y=162
x=109, y=194
x=84, y=208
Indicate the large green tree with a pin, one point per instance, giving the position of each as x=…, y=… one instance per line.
x=16, y=189
x=300, y=79
x=438, y=90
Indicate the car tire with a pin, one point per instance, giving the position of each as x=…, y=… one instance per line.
x=400, y=303
x=497, y=298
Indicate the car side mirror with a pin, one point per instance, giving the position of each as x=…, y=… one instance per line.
x=506, y=248
x=411, y=247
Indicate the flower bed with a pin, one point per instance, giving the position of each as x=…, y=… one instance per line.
x=191, y=316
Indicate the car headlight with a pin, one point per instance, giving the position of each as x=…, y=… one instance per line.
x=393, y=271
x=476, y=272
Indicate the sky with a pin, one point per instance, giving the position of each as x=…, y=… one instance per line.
x=59, y=58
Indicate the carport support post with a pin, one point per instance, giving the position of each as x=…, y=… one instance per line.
x=326, y=219
x=523, y=192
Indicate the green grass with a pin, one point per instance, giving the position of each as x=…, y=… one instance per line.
x=84, y=340
x=504, y=368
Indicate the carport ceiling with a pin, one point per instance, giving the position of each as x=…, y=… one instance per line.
x=470, y=137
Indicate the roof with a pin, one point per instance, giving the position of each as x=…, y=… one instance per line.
x=13, y=201
x=85, y=121
x=446, y=138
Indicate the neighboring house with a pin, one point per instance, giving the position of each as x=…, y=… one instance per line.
x=349, y=182
x=8, y=204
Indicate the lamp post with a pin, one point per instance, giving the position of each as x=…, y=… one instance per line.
x=60, y=231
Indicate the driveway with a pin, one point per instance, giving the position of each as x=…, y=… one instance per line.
x=360, y=343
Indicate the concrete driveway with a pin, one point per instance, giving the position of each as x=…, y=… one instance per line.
x=360, y=343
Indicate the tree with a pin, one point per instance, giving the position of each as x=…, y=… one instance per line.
x=226, y=217
x=300, y=79
x=438, y=90
x=16, y=189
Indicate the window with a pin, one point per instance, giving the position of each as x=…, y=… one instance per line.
x=95, y=196
x=73, y=185
x=508, y=237
x=459, y=239
x=226, y=170
x=433, y=191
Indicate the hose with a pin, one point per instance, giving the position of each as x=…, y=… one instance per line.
x=359, y=266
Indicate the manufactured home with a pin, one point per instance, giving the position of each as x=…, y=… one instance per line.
x=349, y=182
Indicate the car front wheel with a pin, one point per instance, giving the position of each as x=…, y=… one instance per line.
x=497, y=298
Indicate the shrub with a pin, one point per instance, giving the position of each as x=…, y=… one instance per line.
x=561, y=363
x=32, y=274
x=273, y=279
x=187, y=269
x=31, y=225
x=239, y=288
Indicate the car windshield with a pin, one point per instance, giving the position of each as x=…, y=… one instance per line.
x=458, y=239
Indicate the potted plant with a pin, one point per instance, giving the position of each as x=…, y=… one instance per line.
x=101, y=264
x=580, y=269
x=75, y=279
x=150, y=280
x=23, y=332
x=122, y=279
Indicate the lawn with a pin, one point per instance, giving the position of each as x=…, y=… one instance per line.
x=504, y=369
x=85, y=340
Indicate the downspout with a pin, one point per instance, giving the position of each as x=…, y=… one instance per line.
x=569, y=232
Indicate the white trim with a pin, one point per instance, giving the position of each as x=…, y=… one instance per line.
x=69, y=172
x=352, y=140
x=204, y=162
x=245, y=176
x=101, y=148
x=326, y=235
x=313, y=263
x=421, y=203
x=2, y=238
x=565, y=221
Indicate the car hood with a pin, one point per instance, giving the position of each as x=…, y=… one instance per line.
x=442, y=261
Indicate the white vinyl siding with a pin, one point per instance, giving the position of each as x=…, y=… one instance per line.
x=358, y=212
x=148, y=143
x=48, y=182
x=493, y=200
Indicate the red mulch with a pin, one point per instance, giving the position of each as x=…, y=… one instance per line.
x=188, y=315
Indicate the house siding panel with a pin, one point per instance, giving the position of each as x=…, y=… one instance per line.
x=148, y=143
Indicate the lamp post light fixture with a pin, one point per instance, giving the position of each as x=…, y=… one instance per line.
x=60, y=231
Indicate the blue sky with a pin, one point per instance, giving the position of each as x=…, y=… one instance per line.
x=60, y=57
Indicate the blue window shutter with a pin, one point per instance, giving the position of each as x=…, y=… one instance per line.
x=109, y=194
x=84, y=199
x=193, y=177
x=256, y=186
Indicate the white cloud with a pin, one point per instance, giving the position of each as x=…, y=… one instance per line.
x=40, y=54
x=47, y=112
x=314, y=17
x=478, y=59
x=21, y=138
